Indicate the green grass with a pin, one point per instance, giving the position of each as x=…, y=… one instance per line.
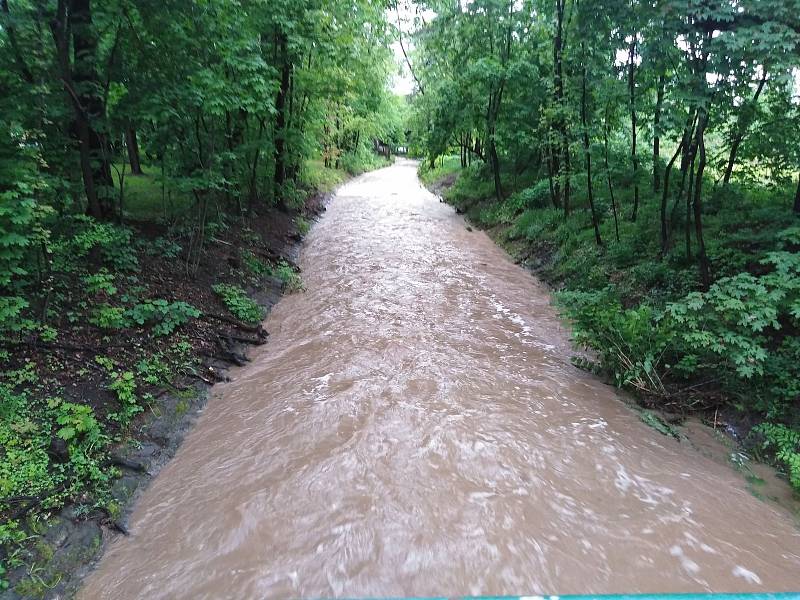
x=144, y=199
x=445, y=166
x=319, y=177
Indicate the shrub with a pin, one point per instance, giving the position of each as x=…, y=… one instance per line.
x=303, y=225
x=290, y=278
x=784, y=444
x=254, y=264
x=106, y=316
x=79, y=235
x=239, y=303
x=630, y=344
x=165, y=317
x=537, y=196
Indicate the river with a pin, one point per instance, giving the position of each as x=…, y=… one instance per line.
x=414, y=427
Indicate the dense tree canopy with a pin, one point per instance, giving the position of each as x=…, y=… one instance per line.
x=545, y=84
x=154, y=159
x=226, y=99
x=643, y=157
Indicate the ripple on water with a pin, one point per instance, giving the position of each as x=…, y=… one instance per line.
x=414, y=427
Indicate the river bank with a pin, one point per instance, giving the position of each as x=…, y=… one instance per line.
x=720, y=432
x=52, y=539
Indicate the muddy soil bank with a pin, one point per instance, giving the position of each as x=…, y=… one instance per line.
x=65, y=546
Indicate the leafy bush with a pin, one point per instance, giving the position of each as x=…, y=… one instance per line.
x=303, y=225
x=537, y=196
x=361, y=161
x=630, y=344
x=291, y=280
x=784, y=443
x=101, y=282
x=79, y=235
x=239, y=303
x=729, y=328
x=165, y=317
x=106, y=316
x=28, y=469
x=254, y=264
x=537, y=224
x=23, y=221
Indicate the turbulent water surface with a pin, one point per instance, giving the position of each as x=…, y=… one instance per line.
x=414, y=427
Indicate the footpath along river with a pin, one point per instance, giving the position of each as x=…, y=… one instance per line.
x=414, y=427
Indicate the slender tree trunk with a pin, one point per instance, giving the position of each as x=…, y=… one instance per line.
x=83, y=86
x=688, y=222
x=495, y=161
x=634, y=156
x=664, y=198
x=567, y=173
x=796, y=207
x=588, y=152
x=608, y=179
x=702, y=257
x=280, y=120
x=657, y=132
x=742, y=125
x=553, y=193
x=560, y=158
x=133, y=151
x=253, y=191
x=338, y=144
x=686, y=157
x=492, y=109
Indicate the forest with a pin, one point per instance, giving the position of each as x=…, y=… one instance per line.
x=156, y=161
x=160, y=161
x=642, y=158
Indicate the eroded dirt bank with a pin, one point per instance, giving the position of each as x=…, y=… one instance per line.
x=415, y=427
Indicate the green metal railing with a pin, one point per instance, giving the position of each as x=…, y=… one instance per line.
x=752, y=596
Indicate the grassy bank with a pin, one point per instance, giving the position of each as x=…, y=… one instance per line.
x=110, y=349
x=731, y=353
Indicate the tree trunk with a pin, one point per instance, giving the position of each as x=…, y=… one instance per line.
x=560, y=158
x=84, y=89
x=743, y=123
x=608, y=179
x=688, y=221
x=280, y=120
x=686, y=158
x=253, y=188
x=133, y=151
x=702, y=257
x=634, y=157
x=495, y=162
x=588, y=152
x=796, y=207
x=657, y=132
x=664, y=198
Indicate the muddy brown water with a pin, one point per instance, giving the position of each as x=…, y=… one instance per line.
x=414, y=427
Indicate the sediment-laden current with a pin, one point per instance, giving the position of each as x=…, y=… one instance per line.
x=414, y=427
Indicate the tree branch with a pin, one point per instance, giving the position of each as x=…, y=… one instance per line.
x=403, y=48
